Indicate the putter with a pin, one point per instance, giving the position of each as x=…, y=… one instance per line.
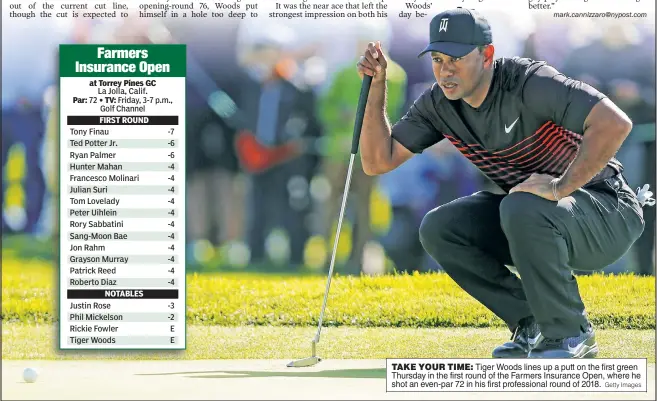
x=360, y=114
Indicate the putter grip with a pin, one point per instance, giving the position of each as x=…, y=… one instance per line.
x=360, y=112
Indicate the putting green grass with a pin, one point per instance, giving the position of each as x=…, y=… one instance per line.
x=258, y=316
x=25, y=341
x=29, y=295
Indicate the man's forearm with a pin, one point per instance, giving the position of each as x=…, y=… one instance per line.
x=599, y=145
x=375, y=140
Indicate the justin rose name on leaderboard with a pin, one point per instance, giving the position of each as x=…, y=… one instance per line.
x=90, y=305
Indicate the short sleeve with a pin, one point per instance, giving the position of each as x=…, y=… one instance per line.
x=415, y=130
x=553, y=96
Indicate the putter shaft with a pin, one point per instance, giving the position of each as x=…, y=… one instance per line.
x=360, y=115
x=335, y=248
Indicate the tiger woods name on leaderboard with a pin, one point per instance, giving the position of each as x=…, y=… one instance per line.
x=122, y=197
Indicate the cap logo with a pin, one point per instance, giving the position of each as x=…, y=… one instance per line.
x=443, y=25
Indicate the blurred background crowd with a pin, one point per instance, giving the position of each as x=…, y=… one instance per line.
x=270, y=113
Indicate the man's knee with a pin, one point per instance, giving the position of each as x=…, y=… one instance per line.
x=518, y=210
x=434, y=228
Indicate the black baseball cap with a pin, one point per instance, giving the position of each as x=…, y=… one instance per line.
x=457, y=32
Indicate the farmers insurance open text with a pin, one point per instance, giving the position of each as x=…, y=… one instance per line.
x=122, y=196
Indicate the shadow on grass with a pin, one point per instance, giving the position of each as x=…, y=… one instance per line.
x=235, y=374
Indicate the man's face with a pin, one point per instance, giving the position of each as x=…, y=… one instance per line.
x=458, y=77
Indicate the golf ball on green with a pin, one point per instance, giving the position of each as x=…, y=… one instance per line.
x=30, y=375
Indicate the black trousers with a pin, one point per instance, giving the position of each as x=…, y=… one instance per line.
x=474, y=237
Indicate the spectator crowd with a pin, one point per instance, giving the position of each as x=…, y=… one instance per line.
x=269, y=120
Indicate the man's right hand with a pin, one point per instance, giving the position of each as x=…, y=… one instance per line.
x=373, y=63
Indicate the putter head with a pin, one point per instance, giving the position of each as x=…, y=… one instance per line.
x=303, y=363
x=310, y=361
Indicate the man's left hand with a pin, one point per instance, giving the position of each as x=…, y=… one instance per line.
x=537, y=184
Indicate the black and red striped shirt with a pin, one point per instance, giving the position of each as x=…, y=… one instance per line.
x=531, y=121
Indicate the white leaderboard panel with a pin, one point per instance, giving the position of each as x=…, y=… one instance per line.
x=122, y=197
